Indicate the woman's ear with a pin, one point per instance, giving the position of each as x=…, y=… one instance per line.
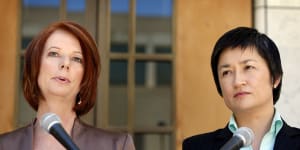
x=276, y=83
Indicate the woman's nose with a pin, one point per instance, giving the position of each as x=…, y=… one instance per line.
x=65, y=64
x=239, y=80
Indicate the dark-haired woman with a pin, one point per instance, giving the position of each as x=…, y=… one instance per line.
x=247, y=72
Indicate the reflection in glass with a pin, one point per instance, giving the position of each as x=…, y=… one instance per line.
x=153, y=24
x=118, y=101
x=25, y=41
x=157, y=8
x=118, y=106
x=119, y=22
x=153, y=94
x=119, y=47
x=152, y=74
x=145, y=141
x=118, y=72
x=36, y=15
x=75, y=5
x=76, y=11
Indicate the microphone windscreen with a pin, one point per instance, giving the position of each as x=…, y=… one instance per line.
x=48, y=120
x=246, y=134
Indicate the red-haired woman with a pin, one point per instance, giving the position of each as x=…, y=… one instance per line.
x=62, y=66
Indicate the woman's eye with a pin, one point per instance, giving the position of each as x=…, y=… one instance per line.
x=77, y=59
x=225, y=73
x=55, y=54
x=249, y=67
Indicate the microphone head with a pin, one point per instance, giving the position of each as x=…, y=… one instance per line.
x=48, y=120
x=246, y=134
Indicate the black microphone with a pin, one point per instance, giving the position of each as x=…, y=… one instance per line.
x=242, y=137
x=51, y=123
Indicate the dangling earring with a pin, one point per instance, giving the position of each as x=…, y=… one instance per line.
x=78, y=99
x=79, y=102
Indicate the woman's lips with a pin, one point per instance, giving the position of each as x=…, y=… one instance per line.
x=241, y=94
x=61, y=79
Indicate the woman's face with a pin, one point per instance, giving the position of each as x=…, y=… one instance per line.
x=61, y=68
x=245, y=80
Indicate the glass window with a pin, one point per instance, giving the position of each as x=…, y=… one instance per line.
x=145, y=88
x=150, y=141
x=153, y=24
x=76, y=11
x=119, y=24
x=36, y=15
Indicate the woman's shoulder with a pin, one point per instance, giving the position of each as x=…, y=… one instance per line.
x=17, y=133
x=208, y=140
x=16, y=139
x=290, y=130
x=204, y=136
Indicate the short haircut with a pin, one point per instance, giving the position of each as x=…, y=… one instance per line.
x=244, y=37
x=91, y=65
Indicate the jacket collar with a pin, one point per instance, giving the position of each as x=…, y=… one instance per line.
x=29, y=131
x=224, y=133
x=285, y=139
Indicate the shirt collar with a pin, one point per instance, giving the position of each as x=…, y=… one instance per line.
x=276, y=125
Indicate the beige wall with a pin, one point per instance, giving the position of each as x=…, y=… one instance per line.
x=280, y=21
x=9, y=11
x=198, y=24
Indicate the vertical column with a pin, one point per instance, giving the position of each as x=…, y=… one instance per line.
x=198, y=24
x=9, y=29
x=280, y=20
x=150, y=67
x=131, y=65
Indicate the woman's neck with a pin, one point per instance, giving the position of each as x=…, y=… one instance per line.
x=259, y=122
x=64, y=110
x=43, y=139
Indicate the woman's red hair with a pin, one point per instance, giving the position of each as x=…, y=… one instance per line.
x=33, y=54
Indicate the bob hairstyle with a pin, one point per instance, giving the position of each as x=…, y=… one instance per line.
x=245, y=37
x=91, y=65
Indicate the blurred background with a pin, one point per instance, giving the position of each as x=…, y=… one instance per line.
x=155, y=80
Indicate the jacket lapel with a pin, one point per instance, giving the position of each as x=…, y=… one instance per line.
x=222, y=136
x=287, y=138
